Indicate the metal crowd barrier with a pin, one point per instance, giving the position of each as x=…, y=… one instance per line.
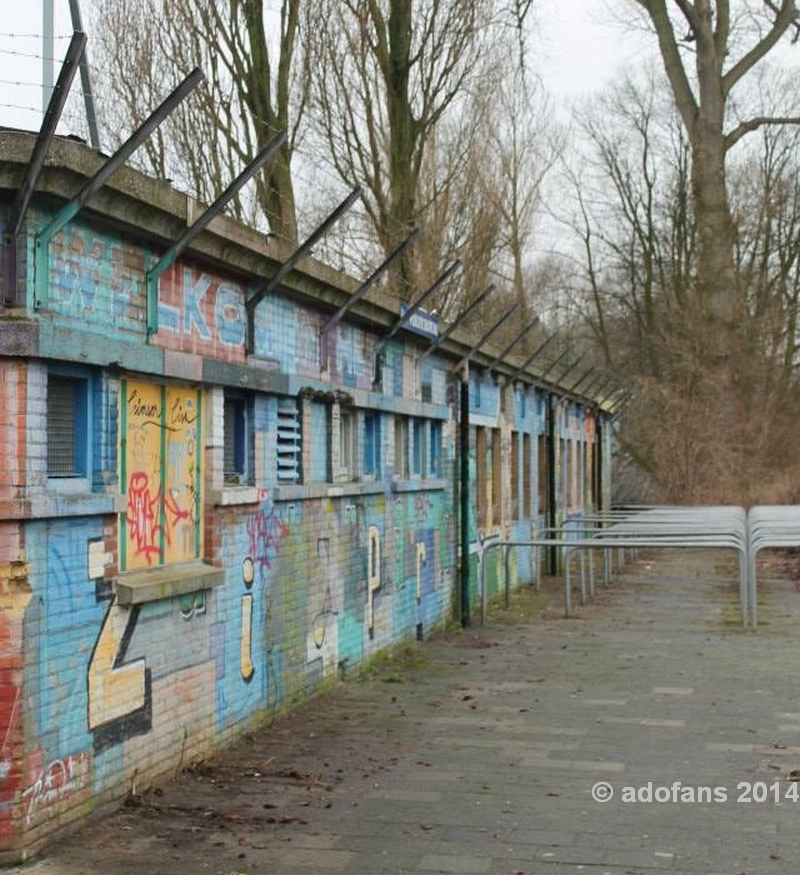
x=683, y=527
x=719, y=527
x=769, y=526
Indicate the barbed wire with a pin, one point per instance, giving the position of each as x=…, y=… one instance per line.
x=349, y=241
x=13, y=35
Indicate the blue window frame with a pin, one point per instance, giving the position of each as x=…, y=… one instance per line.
x=418, y=448
x=235, y=456
x=435, y=455
x=372, y=444
x=68, y=426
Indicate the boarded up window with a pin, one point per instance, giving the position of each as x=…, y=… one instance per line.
x=401, y=449
x=497, y=478
x=480, y=474
x=527, y=479
x=542, y=473
x=159, y=474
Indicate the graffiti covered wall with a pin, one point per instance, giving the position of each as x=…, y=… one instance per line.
x=180, y=582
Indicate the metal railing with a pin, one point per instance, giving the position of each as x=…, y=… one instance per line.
x=718, y=527
x=769, y=526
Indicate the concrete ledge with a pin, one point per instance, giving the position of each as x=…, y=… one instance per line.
x=230, y=496
x=288, y=492
x=167, y=581
x=429, y=484
x=18, y=336
x=64, y=504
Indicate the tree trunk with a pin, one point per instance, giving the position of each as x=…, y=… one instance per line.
x=717, y=283
x=402, y=135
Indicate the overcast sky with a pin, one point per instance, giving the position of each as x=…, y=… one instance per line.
x=577, y=47
x=573, y=50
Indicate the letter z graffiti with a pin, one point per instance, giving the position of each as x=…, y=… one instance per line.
x=120, y=698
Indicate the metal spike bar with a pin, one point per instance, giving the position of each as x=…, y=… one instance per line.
x=45, y=137
x=603, y=388
x=574, y=388
x=219, y=204
x=453, y=325
x=513, y=343
x=171, y=255
x=86, y=82
x=122, y=154
x=286, y=268
x=555, y=362
x=507, y=315
x=406, y=317
x=597, y=380
x=569, y=370
x=533, y=356
x=363, y=288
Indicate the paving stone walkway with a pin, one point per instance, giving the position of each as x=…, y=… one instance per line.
x=477, y=752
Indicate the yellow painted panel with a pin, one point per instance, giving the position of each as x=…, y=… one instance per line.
x=181, y=493
x=142, y=447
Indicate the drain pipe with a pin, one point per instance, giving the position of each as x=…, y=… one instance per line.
x=463, y=442
x=551, y=480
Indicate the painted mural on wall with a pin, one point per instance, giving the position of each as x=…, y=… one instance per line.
x=202, y=313
x=160, y=474
x=97, y=278
x=205, y=314
x=375, y=578
x=94, y=695
x=15, y=595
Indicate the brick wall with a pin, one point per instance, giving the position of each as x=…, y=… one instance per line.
x=100, y=699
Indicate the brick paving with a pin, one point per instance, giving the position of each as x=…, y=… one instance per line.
x=477, y=751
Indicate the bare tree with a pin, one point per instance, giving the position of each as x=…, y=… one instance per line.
x=254, y=90
x=523, y=143
x=388, y=73
x=638, y=231
x=707, y=52
x=481, y=186
x=685, y=301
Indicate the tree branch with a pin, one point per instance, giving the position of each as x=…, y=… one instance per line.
x=754, y=124
x=784, y=16
x=673, y=64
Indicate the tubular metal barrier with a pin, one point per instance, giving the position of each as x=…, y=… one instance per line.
x=720, y=527
x=769, y=526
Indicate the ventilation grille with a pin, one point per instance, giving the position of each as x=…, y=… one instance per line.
x=289, y=441
x=61, y=409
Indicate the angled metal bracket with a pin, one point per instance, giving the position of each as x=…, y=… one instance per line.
x=380, y=345
x=453, y=325
x=73, y=207
x=513, y=343
x=288, y=266
x=155, y=273
x=569, y=370
x=507, y=315
x=40, y=149
x=86, y=81
x=574, y=387
x=520, y=370
x=553, y=363
x=360, y=292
